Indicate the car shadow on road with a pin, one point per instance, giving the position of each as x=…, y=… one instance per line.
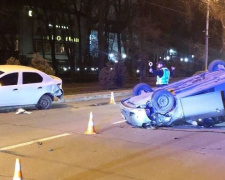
x=61, y=106
x=196, y=128
x=27, y=109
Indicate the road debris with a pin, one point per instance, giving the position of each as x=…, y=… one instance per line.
x=22, y=111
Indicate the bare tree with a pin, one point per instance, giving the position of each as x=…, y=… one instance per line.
x=217, y=10
x=9, y=30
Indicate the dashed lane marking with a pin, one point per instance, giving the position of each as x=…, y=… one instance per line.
x=32, y=142
x=118, y=122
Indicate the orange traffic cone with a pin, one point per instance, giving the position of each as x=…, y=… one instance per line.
x=17, y=172
x=90, y=128
x=112, y=100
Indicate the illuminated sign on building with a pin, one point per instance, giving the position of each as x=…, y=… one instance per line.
x=68, y=38
x=30, y=13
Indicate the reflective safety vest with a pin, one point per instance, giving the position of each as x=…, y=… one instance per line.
x=165, y=78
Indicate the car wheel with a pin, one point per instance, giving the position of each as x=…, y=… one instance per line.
x=45, y=102
x=140, y=88
x=213, y=66
x=162, y=101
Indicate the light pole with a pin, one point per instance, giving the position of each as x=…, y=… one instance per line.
x=207, y=36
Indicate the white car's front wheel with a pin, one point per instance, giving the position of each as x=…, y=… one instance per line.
x=45, y=102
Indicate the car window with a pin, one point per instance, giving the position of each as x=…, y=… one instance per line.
x=1, y=72
x=31, y=77
x=9, y=79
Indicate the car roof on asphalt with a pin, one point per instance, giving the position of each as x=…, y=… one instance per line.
x=11, y=68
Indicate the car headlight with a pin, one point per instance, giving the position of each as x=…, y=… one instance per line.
x=60, y=85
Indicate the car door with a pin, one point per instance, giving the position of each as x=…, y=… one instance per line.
x=31, y=88
x=9, y=93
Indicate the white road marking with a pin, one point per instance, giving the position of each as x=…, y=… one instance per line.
x=118, y=122
x=32, y=142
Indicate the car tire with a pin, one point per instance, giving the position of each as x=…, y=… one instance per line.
x=162, y=101
x=45, y=102
x=139, y=88
x=213, y=66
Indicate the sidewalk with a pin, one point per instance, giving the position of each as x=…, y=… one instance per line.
x=96, y=95
x=104, y=94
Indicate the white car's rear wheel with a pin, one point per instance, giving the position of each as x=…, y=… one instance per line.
x=45, y=102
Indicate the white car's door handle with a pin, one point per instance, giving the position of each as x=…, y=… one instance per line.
x=39, y=87
x=15, y=89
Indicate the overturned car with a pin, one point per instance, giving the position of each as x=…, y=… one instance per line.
x=197, y=100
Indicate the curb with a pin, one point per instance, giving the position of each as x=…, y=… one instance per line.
x=92, y=96
x=99, y=95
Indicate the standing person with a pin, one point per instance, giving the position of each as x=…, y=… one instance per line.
x=163, y=73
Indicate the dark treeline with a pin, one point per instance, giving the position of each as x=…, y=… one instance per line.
x=145, y=30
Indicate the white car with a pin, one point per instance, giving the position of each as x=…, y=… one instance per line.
x=24, y=86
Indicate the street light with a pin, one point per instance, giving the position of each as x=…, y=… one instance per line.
x=207, y=36
x=124, y=56
x=111, y=55
x=171, y=51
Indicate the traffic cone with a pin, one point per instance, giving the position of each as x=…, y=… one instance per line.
x=112, y=100
x=17, y=172
x=90, y=128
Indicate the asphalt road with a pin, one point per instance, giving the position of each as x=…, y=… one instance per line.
x=52, y=146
